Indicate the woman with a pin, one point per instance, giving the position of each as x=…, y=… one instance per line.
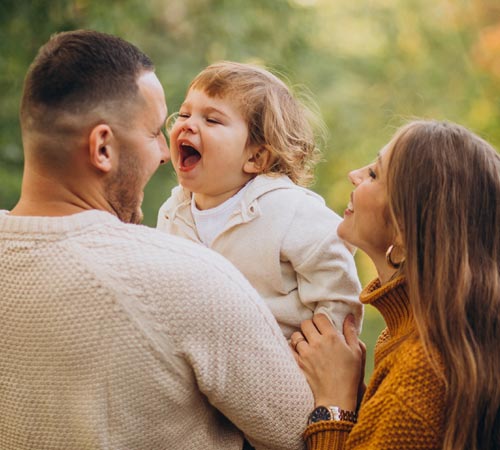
x=427, y=213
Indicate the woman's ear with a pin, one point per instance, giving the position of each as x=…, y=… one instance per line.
x=259, y=160
x=101, y=150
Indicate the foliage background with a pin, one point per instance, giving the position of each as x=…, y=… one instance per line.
x=370, y=65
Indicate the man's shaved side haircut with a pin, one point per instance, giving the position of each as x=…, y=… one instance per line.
x=77, y=71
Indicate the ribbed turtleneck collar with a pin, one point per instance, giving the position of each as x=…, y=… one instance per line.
x=392, y=301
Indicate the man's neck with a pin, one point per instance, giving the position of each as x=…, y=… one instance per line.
x=52, y=197
x=54, y=208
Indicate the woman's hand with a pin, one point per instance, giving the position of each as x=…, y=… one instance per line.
x=333, y=363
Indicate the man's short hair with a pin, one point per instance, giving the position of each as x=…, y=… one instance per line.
x=76, y=71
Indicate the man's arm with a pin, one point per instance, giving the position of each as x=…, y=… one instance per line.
x=242, y=362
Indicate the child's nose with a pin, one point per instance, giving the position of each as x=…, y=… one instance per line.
x=189, y=125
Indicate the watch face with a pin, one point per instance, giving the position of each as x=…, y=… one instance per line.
x=319, y=414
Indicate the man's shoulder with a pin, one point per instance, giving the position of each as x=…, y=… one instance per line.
x=142, y=255
x=153, y=243
x=197, y=275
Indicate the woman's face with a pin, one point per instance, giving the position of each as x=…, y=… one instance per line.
x=367, y=223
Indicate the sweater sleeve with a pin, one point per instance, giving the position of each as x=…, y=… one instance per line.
x=390, y=424
x=394, y=427
x=327, y=435
x=240, y=359
x=403, y=407
x=326, y=272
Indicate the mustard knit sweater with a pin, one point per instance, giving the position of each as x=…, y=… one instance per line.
x=403, y=407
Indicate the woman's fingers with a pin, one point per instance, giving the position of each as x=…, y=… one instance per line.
x=323, y=324
x=309, y=330
x=319, y=325
x=362, y=346
x=296, y=338
x=316, y=330
x=362, y=385
x=332, y=364
x=350, y=332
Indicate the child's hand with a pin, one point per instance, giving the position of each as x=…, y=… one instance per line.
x=333, y=363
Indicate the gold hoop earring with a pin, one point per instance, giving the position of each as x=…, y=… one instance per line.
x=390, y=261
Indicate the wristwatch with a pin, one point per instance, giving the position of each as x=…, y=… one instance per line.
x=332, y=413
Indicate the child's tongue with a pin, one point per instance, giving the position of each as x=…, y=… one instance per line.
x=191, y=160
x=189, y=156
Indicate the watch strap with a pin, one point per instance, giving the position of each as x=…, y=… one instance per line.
x=342, y=414
x=332, y=413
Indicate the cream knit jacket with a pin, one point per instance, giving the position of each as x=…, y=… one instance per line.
x=283, y=238
x=117, y=336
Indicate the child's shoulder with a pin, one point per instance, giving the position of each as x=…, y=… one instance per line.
x=280, y=193
x=282, y=188
x=179, y=196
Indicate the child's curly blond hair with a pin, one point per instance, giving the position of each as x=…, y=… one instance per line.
x=277, y=121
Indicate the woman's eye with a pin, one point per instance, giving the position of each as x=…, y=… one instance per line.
x=371, y=173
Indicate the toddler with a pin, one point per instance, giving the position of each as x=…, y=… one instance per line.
x=243, y=148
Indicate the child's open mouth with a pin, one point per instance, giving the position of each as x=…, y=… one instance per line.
x=188, y=157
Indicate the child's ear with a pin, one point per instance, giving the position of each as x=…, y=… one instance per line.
x=258, y=161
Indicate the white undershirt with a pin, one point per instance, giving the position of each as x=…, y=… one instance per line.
x=210, y=222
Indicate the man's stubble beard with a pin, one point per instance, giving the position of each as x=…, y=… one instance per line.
x=124, y=192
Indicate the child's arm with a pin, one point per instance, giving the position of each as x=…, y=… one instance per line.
x=325, y=268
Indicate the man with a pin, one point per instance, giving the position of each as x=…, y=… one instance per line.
x=114, y=335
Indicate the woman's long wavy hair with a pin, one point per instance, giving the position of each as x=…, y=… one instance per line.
x=444, y=194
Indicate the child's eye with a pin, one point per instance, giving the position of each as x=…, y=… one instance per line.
x=212, y=120
x=371, y=173
x=183, y=115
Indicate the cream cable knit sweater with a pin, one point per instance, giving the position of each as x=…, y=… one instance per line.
x=116, y=336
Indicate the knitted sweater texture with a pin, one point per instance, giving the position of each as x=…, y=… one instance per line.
x=403, y=407
x=117, y=336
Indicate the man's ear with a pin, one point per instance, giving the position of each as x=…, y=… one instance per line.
x=259, y=160
x=101, y=149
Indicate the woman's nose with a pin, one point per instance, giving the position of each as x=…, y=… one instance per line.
x=355, y=177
